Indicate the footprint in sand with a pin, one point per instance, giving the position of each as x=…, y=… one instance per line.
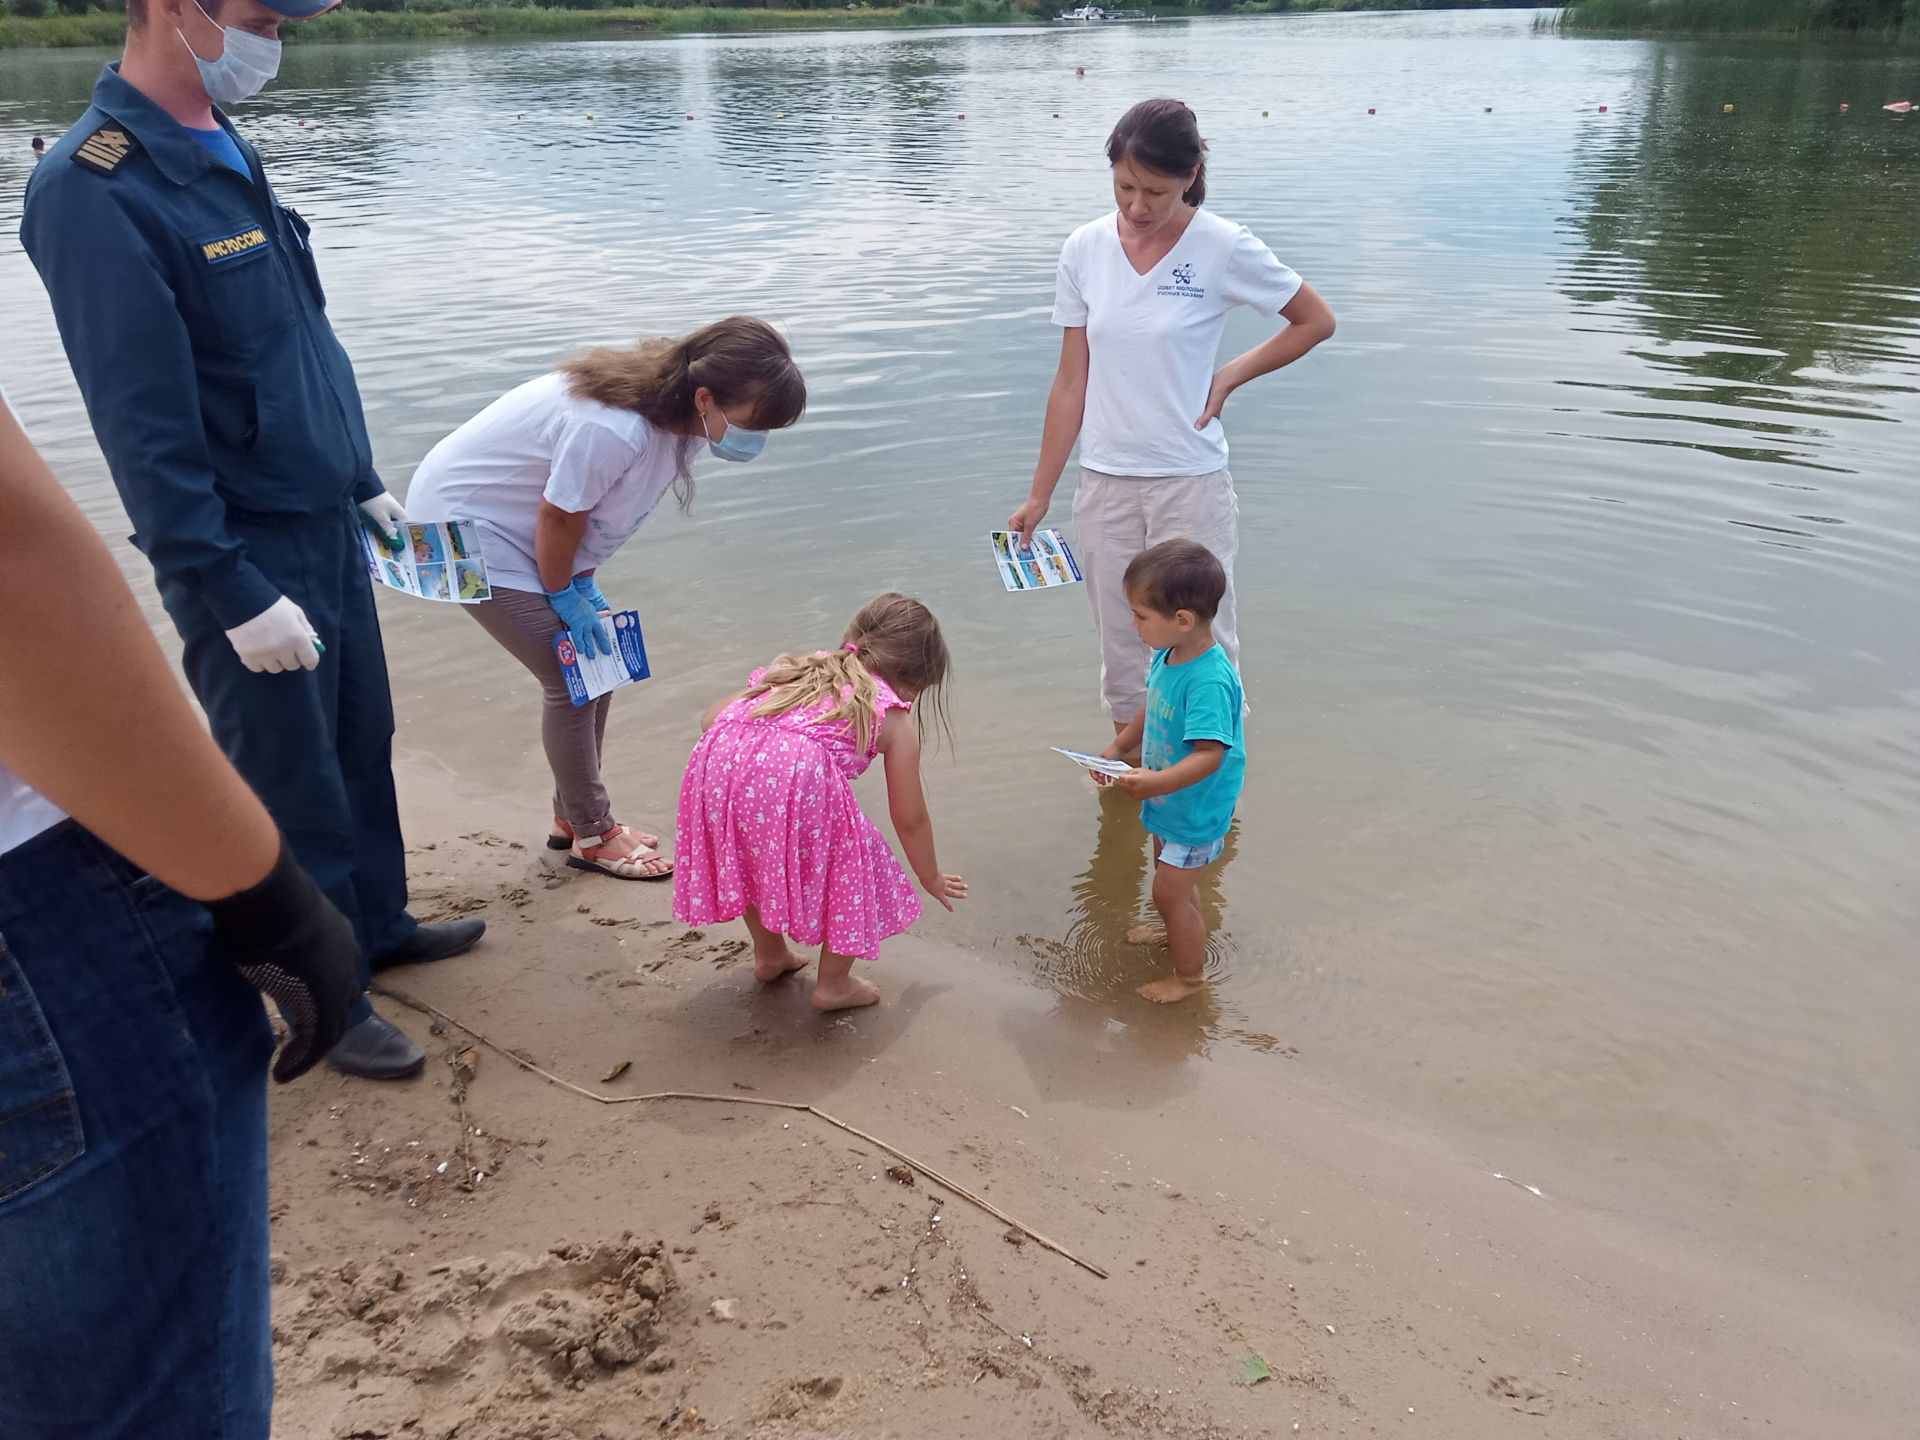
x=1518, y=1393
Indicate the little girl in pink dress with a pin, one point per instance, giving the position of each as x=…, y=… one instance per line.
x=769, y=829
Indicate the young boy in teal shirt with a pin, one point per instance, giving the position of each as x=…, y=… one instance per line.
x=1192, y=751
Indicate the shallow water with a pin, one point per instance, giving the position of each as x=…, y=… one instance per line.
x=1577, y=574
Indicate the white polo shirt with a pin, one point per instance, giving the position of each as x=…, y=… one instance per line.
x=1153, y=339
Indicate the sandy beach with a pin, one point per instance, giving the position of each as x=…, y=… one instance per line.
x=528, y=1264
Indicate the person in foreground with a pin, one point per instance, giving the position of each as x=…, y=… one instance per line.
x=769, y=829
x=558, y=474
x=133, y=1045
x=191, y=310
x=1188, y=736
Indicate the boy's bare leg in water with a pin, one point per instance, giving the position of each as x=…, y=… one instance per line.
x=772, y=955
x=1175, y=896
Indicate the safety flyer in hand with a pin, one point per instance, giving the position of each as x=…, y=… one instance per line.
x=1099, y=764
x=1042, y=563
x=437, y=560
x=591, y=676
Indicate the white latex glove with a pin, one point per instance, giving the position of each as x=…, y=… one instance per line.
x=385, y=515
x=278, y=638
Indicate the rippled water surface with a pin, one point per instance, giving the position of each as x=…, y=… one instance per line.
x=1578, y=571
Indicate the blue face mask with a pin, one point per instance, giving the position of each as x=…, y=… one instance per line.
x=735, y=442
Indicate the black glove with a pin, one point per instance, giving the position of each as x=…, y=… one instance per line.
x=294, y=946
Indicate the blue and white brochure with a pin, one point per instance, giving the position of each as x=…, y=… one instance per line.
x=591, y=676
x=1042, y=563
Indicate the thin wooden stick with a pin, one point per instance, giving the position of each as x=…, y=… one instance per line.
x=927, y=1170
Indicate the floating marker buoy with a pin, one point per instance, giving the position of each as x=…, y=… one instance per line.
x=781, y=116
x=1056, y=114
x=1726, y=109
x=1603, y=109
x=1486, y=109
x=589, y=117
x=1369, y=110
x=303, y=124
x=1263, y=114
x=963, y=114
x=1843, y=107
x=689, y=117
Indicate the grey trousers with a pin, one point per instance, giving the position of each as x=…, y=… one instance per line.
x=1115, y=517
x=572, y=735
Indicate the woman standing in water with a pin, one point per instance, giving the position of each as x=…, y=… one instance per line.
x=557, y=474
x=1142, y=298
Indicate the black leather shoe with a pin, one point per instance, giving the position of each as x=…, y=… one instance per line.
x=434, y=942
x=377, y=1049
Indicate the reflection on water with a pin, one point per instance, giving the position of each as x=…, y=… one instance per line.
x=1576, y=573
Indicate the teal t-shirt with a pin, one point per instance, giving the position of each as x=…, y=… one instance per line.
x=1200, y=700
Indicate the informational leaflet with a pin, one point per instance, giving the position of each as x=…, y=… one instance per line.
x=1099, y=764
x=437, y=560
x=1045, y=561
x=591, y=676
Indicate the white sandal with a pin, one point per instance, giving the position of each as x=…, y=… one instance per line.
x=586, y=850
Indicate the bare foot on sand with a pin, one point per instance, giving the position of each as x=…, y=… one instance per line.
x=1169, y=989
x=771, y=966
x=847, y=994
x=1147, y=935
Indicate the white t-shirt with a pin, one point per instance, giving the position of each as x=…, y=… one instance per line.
x=538, y=442
x=24, y=811
x=1152, y=339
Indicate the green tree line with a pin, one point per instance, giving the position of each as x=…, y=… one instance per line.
x=1875, y=18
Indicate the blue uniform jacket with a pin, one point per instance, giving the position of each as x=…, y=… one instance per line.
x=192, y=313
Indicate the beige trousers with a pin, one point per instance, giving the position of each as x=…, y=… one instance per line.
x=1115, y=517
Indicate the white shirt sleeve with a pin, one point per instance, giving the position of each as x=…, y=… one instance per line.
x=1069, y=304
x=588, y=462
x=1256, y=278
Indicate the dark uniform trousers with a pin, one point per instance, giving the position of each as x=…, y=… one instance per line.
x=193, y=314
x=316, y=745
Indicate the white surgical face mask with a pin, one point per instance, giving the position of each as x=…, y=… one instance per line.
x=247, y=62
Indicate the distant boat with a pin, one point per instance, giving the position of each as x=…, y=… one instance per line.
x=1096, y=14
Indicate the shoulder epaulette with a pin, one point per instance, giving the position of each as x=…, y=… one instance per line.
x=104, y=149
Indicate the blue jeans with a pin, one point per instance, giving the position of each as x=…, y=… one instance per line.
x=133, y=1159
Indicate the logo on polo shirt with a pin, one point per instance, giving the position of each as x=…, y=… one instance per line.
x=1183, y=284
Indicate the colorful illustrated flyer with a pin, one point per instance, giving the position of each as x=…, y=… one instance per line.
x=437, y=560
x=1038, y=565
x=591, y=676
x=1095, y=763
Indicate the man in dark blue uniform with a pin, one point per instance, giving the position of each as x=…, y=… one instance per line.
x=192, y=312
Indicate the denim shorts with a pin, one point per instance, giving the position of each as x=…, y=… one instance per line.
x=1191, y=857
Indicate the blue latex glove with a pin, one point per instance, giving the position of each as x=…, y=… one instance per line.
x=589, y=590
x=582, y=620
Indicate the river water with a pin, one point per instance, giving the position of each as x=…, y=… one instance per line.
x=1577, y=575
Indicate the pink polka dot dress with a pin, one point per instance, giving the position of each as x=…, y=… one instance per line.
x=768, y=819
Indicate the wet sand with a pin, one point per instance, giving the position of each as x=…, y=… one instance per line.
x=512, y=1260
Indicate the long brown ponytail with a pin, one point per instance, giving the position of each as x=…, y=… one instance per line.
x=741, y=360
